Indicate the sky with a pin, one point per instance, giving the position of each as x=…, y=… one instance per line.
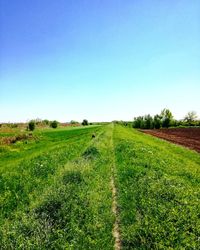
x=97, y=59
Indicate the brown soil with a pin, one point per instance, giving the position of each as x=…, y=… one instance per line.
x=188, y=137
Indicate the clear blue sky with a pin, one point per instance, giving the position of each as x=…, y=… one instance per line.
x=98, y=59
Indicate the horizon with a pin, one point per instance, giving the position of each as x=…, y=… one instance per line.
x=98, y=60
x=92, y=121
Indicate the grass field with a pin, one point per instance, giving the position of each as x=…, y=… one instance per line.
x=158, y=199
x=56, y=193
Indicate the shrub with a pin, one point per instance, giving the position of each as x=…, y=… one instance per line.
x=73, y=122
x=38, y=121
x=13, y=125
x=85, y=122
x=46, y=122
x=31, y=125
x=54, y=124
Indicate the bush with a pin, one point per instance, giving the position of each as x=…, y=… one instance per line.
x=31, y=125
x=85, y=122
x=13, y=125
x=54, y=124
x=73, y=122
x=38, y=121
x=46, y=122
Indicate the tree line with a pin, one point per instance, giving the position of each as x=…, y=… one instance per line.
x=165, y=120
x=52, y=124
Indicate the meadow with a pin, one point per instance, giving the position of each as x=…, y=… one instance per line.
x=56, y=192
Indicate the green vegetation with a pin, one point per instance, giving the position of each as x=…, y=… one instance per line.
x=85, y=122
x=165, y=120
x=158, y=192
x=59, y=197
x=191, y=117
x=54, y=124
x=55, y=190
x=31, y=125
x=46, y=122
x=74, y=122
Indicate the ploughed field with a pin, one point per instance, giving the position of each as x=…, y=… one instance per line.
x=97, y=187
x=188, y=137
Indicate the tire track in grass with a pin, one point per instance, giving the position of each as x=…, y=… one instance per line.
x=116, y=228
x=116, y=231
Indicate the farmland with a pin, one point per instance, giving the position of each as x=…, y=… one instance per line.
x=189, y=137
x=58, y=190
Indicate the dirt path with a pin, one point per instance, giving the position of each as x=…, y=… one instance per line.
x=116, y=232
x=116, y=229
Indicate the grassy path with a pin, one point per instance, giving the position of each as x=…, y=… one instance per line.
x=116, y=228
x=120, y=190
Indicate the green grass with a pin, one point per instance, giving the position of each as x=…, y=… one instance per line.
x=60, y=198
x=158, y=192
x=55, y=191
x=46, y=139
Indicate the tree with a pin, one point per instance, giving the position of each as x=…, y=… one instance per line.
x=157, y=121
x=148, y=122
x=85, y=122
x=166, y=113
x=138, y=122
x=54, y=124
x=167, y=117
x=31, y=125
x=190, y=116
